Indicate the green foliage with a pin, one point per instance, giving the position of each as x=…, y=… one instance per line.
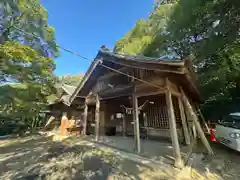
x=26, y=68
x=143, y=34
x=134, y=41
x=21, y=106
x=210, y=31
x=72, y=80
x=31, y=18
x=22, y=64
x=206, y=30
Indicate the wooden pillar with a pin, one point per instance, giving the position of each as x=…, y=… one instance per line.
x=184, y=123
x=85, y=119
x=124, y=124
x=97, y=117
x=64, y=124
x=194, y=130
x=145, y=124
x=136, y=123
x=102, y=123
x=104, y=111
x=189, y=122
x=173, y=130
x=197, y=124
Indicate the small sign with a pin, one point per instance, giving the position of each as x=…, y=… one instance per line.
x=119, y=115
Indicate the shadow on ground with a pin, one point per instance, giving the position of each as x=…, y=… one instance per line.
x=39, y=157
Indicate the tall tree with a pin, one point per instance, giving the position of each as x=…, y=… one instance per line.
x=141, y=39
x=207, y=30
x=27, y=47
x=22, y=17
x=25, y=21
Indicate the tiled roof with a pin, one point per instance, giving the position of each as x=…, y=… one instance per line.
x=104, y=51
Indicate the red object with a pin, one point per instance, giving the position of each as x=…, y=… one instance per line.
x=212, y=136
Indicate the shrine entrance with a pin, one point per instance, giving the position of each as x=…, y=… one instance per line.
x=152, y=114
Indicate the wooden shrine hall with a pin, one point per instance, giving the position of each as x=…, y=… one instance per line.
x=141, y=97
x=62, y=115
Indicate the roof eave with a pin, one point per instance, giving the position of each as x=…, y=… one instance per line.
x=84, y=80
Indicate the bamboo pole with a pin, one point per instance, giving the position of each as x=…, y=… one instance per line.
x=173, y=130
x=136, y=123
x=97, y=117
x=184, y=123
x=197, y=124
x=85, y=119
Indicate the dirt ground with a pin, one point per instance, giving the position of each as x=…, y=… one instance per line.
x=39, y=157
x=225, y=164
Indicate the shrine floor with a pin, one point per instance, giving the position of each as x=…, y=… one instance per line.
x=157, y=151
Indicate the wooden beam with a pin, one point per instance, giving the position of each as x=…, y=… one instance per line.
x=169, y=86
x=197, y=124
x=173, y=131
x=162, y=91
x=136, y=122
x=112, y=73
x=150, y=93
x=177, y=94
x=85, y=119
x=184, y=123
x=165, y=67
x=156, y=82
x=97, y=117
x=113, y=97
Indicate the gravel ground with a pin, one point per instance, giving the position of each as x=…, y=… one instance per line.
x=39, y=157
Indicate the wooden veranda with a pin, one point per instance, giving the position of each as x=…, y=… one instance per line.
x=143, y=97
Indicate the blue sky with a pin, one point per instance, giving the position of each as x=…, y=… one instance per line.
x=84, y=25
